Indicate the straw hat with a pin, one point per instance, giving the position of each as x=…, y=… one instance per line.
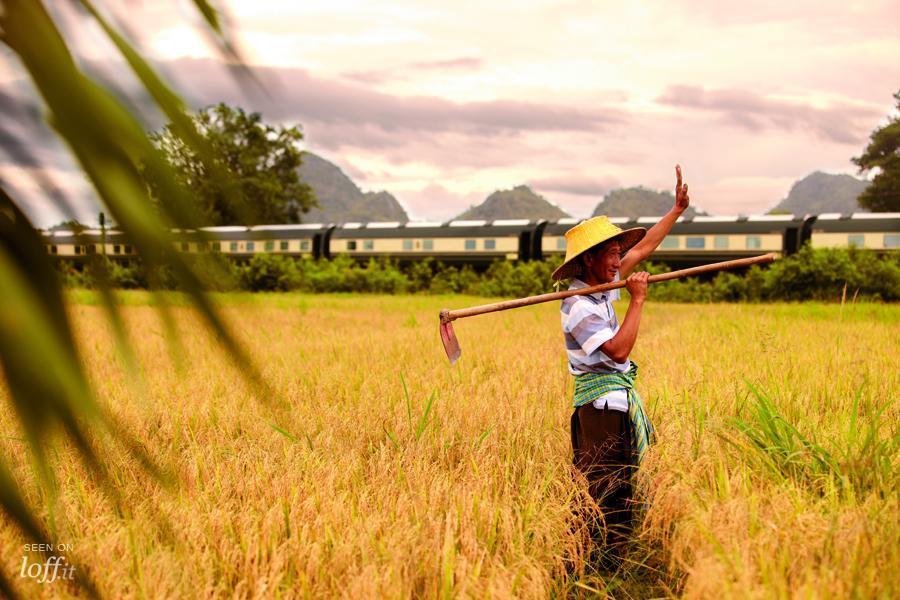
x=590, y=233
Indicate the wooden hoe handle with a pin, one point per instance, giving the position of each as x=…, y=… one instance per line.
x=452, y=315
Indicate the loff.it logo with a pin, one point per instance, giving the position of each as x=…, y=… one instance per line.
x=50, y=569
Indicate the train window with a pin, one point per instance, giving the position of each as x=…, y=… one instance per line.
x=127, y=249
x=55, y=250
x=233, y=246
x=428, y=244
x=304, y=245
x=77, y=249
x=721, y=242
x=185, y=246
x=368, y=245
x=856, y=239
x=892, y=240
x=92, y=248
x=351, y=244
x=695, y=242
x=560, y=243
x=117, y=249
x=202, y=247
x=470, y=244
x=217, y=246
x=407, y=244
x=490, y=244
x=270, y=246
x=251, y=246
x=754, y=242
x=670, y=241
x=283, y=246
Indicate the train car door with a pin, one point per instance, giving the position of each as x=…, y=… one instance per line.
x=525, y=246
x=317, y=245
x=789, y=245
x=537, y=238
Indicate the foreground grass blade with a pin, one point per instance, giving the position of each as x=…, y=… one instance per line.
x=49, y=390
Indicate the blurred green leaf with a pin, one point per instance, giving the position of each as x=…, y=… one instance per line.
x=49, y=391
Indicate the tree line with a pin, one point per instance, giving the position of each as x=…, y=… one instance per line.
x=823, y=274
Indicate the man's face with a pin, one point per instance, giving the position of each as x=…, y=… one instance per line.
x=603, y=264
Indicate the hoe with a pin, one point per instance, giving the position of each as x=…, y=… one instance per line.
x=451, y=344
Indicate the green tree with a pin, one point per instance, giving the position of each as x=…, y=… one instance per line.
x=69, y=225
x=883, y=153
x=261, y=162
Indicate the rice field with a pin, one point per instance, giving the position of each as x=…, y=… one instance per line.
x=377, y=470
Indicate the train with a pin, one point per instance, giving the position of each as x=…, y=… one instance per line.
x=692, y=240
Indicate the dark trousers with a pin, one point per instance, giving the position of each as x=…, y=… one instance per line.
x=601, y=442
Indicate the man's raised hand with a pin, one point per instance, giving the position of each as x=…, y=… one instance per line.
x=682, y=200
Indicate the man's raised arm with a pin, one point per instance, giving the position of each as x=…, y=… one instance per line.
x=655, y=234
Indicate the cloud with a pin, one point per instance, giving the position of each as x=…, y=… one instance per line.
x=743, y=195
x=406, y=72
x=25, y=138
x=49, y=194
x=434, y=201
x=862, y=18
x=299, y=96
x=841, y=123
x=576, y=185
x=359, y=176
x=452, y=64
x=447, y=151
x=370, y=77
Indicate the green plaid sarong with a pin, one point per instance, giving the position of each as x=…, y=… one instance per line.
x=590, y=386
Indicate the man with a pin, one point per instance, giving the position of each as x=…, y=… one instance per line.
x=610, y=431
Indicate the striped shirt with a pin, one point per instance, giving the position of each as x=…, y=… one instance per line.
x=588, y=322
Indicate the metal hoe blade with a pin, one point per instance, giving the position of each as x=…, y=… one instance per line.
x=448, y=337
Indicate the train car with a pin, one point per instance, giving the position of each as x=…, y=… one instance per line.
x=455, y=242
x=875, y=231
x=703, y=239
x=303, y=240
x=706, y=238
x=76, y=247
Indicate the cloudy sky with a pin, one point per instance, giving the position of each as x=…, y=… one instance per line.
x=441, y=104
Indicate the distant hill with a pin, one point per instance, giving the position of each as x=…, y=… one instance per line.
x=518, y=203
x=821, y=193
x=639, y=202
x=341, y=200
